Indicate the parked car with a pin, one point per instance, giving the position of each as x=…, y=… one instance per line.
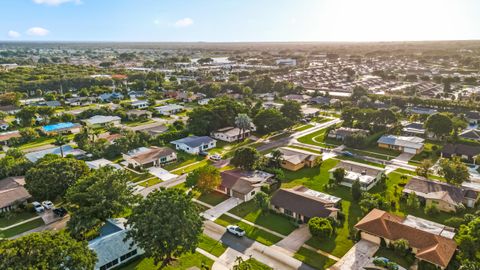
x=61, y=212
x=215, y=157
x=235, y=230
x=47, y=205
x=347, y=154
x=38, y=207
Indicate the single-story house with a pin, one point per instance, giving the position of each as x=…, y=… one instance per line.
x=170, y=109
x=153, y=130
x=101, y=120
x=297, y=98
x=367, y=175
x=110, y=246
x=464, y=151
x=5, y=137
x=100, y=163
x=12, y=193
x=10, y=109
x=136, y=114
x=342, y=132
x=473, y=117
x=310, y=112
x=230, y=134
x=407, y=144
x=295, y=159
x=429, y=241
x=324, y=101
x=4, y=125
x=79, y=101
x=107, y=97
x=271, y=105
x=149, y=156
x=139, y=104
x=136, y=94
x=421, y=110
x=303, y=204
x=244, y=184
x=470, y=134
x=194, y=144
x=445, y=196
x=67, y=151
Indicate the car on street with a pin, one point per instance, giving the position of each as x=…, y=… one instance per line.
x=61, y=212
x=38, y=207
x=215, y=157
x=235, y=230
x=47, y=205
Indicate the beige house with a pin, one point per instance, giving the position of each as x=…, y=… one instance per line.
x=12, y=193
x=151, y=156
x=407, y=144
x=295, y=159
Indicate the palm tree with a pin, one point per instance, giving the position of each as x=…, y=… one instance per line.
x=60, y=141
x=243, y=122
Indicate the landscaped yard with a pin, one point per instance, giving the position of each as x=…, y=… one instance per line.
x=318, y=138
x=137, y=177
x=359, y=160
x=430, y=151
x=394, y=257
x=302, y=128
x=138, y=123
x=21, y=228
x=430, y=176
x=150, y=182
x=376, y=152
x=211, y=246
x=212, y=198
x=305, y=149
x=314, y=178
x=313, y=259
x=13, y=217
x=185, y=262
x=183, y=159
x=256, y=265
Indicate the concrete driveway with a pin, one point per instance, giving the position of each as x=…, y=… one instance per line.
x=403, y=158
x=294, y=241
x=221, y=208
x=359, y=256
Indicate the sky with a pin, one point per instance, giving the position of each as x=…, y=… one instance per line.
x=239, y=20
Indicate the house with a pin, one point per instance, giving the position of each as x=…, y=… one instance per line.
x=153, y=130
x=195, y=144
x=413, y=129
x=51, y=103
x=10, y=109
x=324, y=101
x=470, y=134
x=367, y=175
x=169, y=109
x=100, y=163
x=230, y=134
x=112, y=246
x=272, y=105
x=429, y=241
x=102, y=120
x=149, y=156
x=407, y=144
x=79, y=101
x=244, y=184
x=310, y=112
x=473, y=117
x=12, y=193
x=5, y=137
x=65, y=127
x=107, y=97
x=303, y=204
x=464, y=151
x=110, y=137
x=342, y=132
x=286, y=62
x=445, y=196
x=138, y=114
x=139, y=104
x=295, y=159
x=204, y=101
x=297, y=98
x=136, y=94
x=4, y=125
x=66, y=149
x=421, y=110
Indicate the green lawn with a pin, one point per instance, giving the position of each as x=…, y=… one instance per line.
x=394, y=257
x=359, y=160
x=431, y=176
x=313, y=259
x=41, y=142
x=213, y=198
x=183, y=159
x=314, y=178
x=151, y=182
x=14, y=217
x=275, y=222
x=185, y=262
x=137, y=177
x=138, y=123
x=376, y=152
x=192, y=167
x=256, y=265
x=428, y=152
x=305, y=149
x=302, y=128
x=251, y=232
x=211, y=246
x=316, y=138
x=21, y=228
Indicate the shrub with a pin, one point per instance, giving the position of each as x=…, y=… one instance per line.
x=431, y=209
x=320, y=227
x=454, y=222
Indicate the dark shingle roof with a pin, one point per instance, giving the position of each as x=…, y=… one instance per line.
x=461, y=149
x=301, y=204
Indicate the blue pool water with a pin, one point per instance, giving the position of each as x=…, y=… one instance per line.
x=54, y=127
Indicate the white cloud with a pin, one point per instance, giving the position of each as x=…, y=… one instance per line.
x=55, y=2
x=37, y=31
x=13, y=34
x=185, y=22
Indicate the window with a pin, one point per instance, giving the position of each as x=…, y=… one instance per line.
x=288, y=212
x=108, y=265
x=163, y=159
x=252, y=193
x=128, y=255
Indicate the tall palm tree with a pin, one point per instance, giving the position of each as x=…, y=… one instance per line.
x=243, y=122
x=60, y=141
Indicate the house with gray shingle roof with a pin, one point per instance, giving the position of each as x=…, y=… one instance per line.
x=194, y=144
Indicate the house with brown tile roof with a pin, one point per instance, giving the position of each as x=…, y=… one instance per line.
x=149, y=156
x=302, y=203
x=429, y=241
x=295, y=159
x=244, y=184
x=12, y=193
x=5, y=137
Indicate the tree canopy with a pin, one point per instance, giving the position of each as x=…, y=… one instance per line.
x=439, y=124
x=245, y=158
x=454, y=170
x=205, y=178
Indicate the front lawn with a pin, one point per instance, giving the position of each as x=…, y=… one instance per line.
x=21, y=228
x=183, y=159
x=137, y=177
x=184, y=262
x=431, y=151
x=275, y=222
x=430, y=176
x=314, y=178
x=13, y=217
x=256, y=265
x=314, y=259
x=302, y=128
x=316, y=138
x=376, y=152
x=150, y=182
x=212, y=246
x=304, y=149
x=359, y=160
x=212, y=198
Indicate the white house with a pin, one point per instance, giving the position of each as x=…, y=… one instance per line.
x=139, y=104
x=169, y=109
x=101, y=120
x=407, y=144
x=195, y=144
x=230, y=134
x=100, y=163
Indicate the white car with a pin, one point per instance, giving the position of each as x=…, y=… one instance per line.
x=47, y=205
x=38, y=207
x=235, y=230
x=215, y=157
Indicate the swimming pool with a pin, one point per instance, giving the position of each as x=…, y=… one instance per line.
x=53, y=127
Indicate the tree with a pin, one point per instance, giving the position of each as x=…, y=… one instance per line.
x=46, y=250
x=339, y=175
x=401, y=246
x=292, y=111
x=371, y=201
x=262, y=200
x=243, y=122
x=454, y=171
x=356, y=191
x=166, y=224
x=412, y=201
x=51, y=176
x=205, y=178
x=358, y=92
x=94, y=198
x=270, y=120
x=425, y=168
x=245, y=158
x=320, y=227
x=60, y=141
x=276, y=157
x=468, y=239
x=439, y=124
x=14, y=163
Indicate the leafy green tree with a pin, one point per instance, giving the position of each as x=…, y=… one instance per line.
x=439, y=124
x=401, y=246
x=262, y=200
x=275, y=158
x=292, y=111
x=412, y=201
x=46, y=250
x=205, y=178
x=425, y=168
x=320, y=227
x=371, y=201
x=356, y=190
x=50, y=177
x=245, y=158
x=358, y=92
x=454, y=170
x=270, y=120
x=166, y=224
x=243, y=123
x=96, y=197
x=339, y=175
x=14, y=163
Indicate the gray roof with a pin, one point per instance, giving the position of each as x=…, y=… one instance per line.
x=404, y=141
x=194, y=141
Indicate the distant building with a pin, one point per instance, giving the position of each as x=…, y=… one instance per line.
x=342, y=132
x=470, y=134
x=421, y=110
x=170, y=109
x=473, y=117
x=107, y=97
x=139, y=104
x=295, y=159
x=286, y=62
x=67, y=151
x=100, y=163
x=464, y=151
x=101, y=120
x=413, y=129
x=230, y=134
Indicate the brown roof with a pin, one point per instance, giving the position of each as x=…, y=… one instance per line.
x=110, y=137
x=5, y=136
x=438, y=190
x=300, y=203
x=431, y=247
x=153, y=154
x=243, y=181
x=12, y=191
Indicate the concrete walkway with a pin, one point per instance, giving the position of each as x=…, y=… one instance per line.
x=221, y=208
x=359, y=256
x=295, y=240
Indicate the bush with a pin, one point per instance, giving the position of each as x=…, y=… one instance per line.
x=454, y=222
x=431, y=209
x=320, y=227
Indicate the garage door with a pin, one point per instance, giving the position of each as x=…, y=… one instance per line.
x=410, y=150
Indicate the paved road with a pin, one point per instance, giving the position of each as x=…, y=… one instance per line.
x=246, y=247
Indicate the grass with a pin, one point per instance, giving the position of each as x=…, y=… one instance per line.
x=256, y=265
x=150, y=182
x=275, y=222
x=428, y=152
x=183, y=159
x=137, y=177
x=192, y=167
x=251, y=232
x=359, y=160
x=14, y=217
x=316, y=138
x=304, y=127
x=394, y=257
x=430, y=176
x=184, y=262
x=314, y=178
x=41, y=142
x=211, y=246
x=313, y=259
x=138, y=123
x=212, y=198
x=305, y=149
x=21, y=228
x=376, y=152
